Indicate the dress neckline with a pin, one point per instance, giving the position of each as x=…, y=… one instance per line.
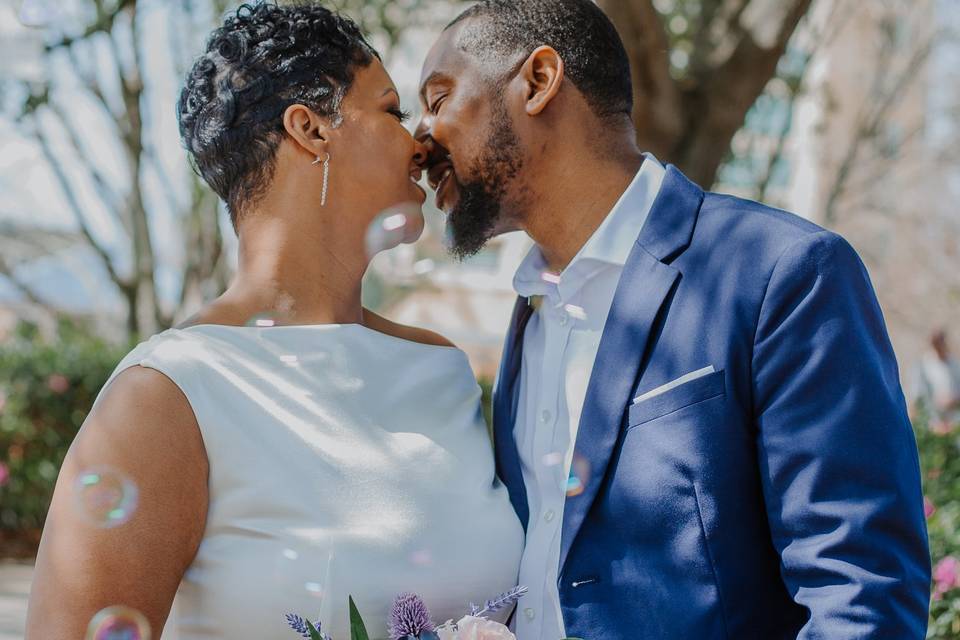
x=320, y=327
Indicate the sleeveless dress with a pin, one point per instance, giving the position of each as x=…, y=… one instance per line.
x=343, y=461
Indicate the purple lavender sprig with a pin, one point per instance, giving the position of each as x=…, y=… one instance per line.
x=409, y=617
x=302, y=627
x=503, y=600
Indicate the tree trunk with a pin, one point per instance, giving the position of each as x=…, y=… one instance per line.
x=691, y=123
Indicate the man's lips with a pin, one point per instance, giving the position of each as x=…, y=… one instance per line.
x=439, y=177
x=444, y=188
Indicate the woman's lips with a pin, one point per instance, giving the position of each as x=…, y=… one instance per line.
x=423, y=192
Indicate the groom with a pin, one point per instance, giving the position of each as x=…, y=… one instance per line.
x=698, y=415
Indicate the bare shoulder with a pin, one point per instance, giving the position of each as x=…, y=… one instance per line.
x=414, y=334
x=144, y=428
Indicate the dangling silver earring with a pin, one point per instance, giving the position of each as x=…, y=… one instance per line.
x=326, y=178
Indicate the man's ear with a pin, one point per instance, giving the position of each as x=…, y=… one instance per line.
x=543, y=74
x=306, y=129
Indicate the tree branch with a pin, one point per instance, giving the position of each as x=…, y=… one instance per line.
x=7, y=271
x=75, y=208
x=103, y=23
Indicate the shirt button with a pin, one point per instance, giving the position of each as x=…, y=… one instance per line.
x=529, y=613
x=545, y=416
x=549, y=515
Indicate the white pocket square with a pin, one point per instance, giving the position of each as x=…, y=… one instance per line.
x=690, y=377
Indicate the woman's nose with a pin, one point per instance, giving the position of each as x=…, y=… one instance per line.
x=420, y=153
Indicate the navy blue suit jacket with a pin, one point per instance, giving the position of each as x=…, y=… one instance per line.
x=778, y=497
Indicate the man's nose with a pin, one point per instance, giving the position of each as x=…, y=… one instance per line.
x=422, y=132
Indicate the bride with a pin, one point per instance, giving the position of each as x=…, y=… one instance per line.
x=287, y=447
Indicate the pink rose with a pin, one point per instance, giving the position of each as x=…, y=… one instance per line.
x=928, y=507
x=4, y=474
x=946, y=575
x=58, y=383
x=471, y=628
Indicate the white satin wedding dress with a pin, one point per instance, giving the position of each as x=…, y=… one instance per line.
x=343, y=461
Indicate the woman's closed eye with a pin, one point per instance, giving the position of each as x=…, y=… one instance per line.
x=399, y=113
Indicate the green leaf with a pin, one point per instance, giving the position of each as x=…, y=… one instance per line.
x=314, y=634
x=357, y=629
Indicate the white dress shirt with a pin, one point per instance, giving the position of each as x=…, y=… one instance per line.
x=559, y=348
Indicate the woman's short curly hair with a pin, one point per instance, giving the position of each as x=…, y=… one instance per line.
x=263, y=59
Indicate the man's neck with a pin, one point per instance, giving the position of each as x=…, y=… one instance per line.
x=562, y=220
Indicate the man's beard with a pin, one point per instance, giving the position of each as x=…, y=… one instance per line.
x=480, y=205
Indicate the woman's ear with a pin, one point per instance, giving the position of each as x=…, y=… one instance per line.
x=306, y=129
x=543, y=75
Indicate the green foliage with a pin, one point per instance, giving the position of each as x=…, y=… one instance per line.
x=940, y=468
x=358, y=631
x=46, y=389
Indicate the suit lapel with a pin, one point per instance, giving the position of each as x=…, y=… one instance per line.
x=505, y=398
x=645, y=283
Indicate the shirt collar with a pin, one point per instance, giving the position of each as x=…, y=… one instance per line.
x=610, y=244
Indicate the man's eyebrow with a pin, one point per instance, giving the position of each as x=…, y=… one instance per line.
x=436, y=76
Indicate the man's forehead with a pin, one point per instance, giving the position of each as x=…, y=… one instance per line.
x=445, y=59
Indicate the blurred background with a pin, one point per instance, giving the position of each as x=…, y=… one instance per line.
x=846, y=112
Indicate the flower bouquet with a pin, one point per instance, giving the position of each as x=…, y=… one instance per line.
x=410, y=620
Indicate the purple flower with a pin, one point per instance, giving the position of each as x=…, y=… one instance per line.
x=409, y=617
x=301, y=626
x=298, y=624
x=503, y=600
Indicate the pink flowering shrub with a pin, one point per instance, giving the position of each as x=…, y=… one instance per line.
x=940, y=468
x=46, y=389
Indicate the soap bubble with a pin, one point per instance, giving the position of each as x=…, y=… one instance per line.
x=119, y=623
x=552, y=459
x=398, y=225
x=423, y=267
x=421, y=558
x=261, y=320
x=579, y=474
x=106, y=497
x=575, y=312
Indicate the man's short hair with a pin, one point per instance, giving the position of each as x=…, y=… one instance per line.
x=593, y=55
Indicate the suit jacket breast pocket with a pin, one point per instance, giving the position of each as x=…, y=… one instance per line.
x=690, y=393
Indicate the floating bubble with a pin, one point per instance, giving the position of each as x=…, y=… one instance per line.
x=106, y=497
x=575, y=312
x=579, y=474
x=290, y=554
x=119, y=623
x=421, y=558
x=261, y=320
x=394, y=222
x=423, y=267
x=549, y=276
x=398, y=225
x=37, y=13
x=553, y=459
